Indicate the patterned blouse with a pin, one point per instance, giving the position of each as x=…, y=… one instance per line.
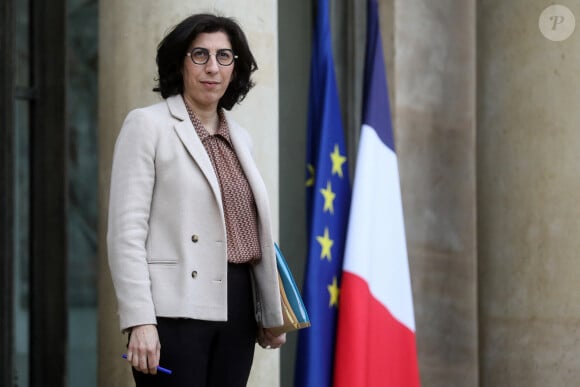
x=241, y=217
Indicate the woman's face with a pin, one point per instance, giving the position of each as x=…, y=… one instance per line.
x=205, y=84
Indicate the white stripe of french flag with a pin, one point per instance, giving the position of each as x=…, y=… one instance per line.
x=375, y=343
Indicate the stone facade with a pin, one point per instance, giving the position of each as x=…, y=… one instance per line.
x=485, y=127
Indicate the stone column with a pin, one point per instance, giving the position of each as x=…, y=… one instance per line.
x=435, y=137
x=129, y=33
x=528, y=212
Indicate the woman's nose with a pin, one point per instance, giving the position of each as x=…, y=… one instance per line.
x=211, y=64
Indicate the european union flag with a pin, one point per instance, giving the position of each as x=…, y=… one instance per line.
x=328, y=199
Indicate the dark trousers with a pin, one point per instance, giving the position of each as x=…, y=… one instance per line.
x=207, y=353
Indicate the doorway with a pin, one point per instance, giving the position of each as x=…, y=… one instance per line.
x=48, y=214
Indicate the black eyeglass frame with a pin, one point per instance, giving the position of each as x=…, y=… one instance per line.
x=221, y=50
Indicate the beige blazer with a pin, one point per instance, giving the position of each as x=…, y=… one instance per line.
x=166, y=234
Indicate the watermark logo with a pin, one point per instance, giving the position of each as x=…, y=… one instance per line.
x=557, y=23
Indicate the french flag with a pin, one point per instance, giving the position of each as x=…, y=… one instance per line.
x=375, y=343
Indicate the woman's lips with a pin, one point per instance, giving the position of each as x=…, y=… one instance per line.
x=210, y=83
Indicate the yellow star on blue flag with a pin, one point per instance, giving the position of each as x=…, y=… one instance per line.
x=328, y=198
x=333, y=292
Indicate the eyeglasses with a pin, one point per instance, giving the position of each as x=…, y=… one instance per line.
x=200, y=56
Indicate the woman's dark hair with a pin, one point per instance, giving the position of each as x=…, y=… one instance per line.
x=173, y=48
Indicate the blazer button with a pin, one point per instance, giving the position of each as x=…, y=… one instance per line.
x=194, y=274
x=194, y=238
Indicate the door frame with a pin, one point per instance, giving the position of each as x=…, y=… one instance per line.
x=48, y=191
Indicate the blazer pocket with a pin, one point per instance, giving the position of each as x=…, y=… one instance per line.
x=154, y=261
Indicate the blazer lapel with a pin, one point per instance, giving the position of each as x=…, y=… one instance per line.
x=242, y=147
x=186, y=133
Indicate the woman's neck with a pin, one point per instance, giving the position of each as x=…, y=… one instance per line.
x=209, y=119
x=208, y=116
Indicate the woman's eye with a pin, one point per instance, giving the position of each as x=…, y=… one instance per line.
x=199, y=54
x=224, y=54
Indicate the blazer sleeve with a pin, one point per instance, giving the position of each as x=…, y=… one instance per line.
x=131, y=190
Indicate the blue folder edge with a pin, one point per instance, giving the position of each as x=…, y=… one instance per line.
x=292, y=292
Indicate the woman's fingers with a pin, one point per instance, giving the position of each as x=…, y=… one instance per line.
x=268, y=340
x=144, y=349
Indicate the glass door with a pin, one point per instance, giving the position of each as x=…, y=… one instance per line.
x=33, y=177
x=21, y=194
x=48, y=175
x=82, y=200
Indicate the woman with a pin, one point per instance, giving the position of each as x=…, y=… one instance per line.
x=189, y=236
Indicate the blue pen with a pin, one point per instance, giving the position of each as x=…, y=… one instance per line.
x=159, y=368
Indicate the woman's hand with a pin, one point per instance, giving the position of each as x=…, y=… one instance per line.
x=268, y=340
x=144, y=349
